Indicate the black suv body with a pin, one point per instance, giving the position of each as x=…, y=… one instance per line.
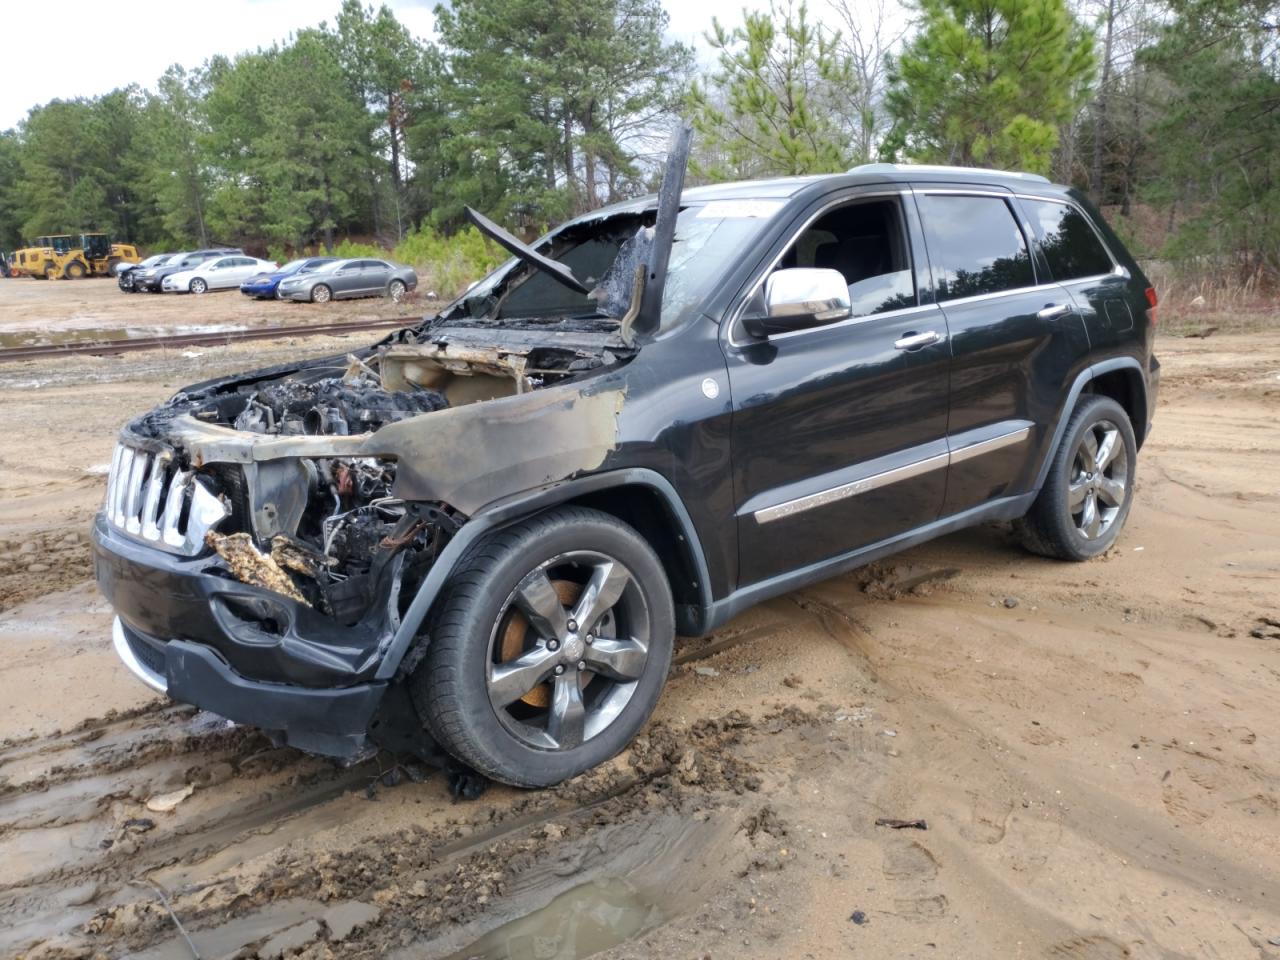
x=151, y=279
x=483, y=532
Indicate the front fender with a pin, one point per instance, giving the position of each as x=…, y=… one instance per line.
x=515, y=508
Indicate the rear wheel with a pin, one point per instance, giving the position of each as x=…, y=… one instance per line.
x=551, y=648
x=1087, y=495
x=321, y=293
x=198, y=286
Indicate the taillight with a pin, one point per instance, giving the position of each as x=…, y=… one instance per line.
x=1151, y=299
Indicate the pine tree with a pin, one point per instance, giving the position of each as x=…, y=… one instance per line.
x=989, y=83
x=780, y=101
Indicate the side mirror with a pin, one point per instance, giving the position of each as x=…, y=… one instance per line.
x=797, y=299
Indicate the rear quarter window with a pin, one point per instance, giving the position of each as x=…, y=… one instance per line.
x=1070, y=244
x=975, y=246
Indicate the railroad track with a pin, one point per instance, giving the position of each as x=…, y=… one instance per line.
x=215, y=338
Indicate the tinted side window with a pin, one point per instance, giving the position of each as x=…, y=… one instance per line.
x=1070, y=244
x=975, y=246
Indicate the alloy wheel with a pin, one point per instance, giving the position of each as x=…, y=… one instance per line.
x=199, y=286
x=1099, y=480
x=320, y=294
x=396, y=290
x=567, y=650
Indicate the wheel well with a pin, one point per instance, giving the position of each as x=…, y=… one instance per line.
x=647, y=511
x=1125, y=387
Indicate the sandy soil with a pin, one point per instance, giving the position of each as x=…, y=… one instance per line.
x=33, y=311
x=1092, y=746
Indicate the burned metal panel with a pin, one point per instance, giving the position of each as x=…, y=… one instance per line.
x=525, y=252
x=470, y=456
x=649, y=317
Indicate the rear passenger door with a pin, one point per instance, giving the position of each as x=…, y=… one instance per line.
x=1079, y=260
x=377, y=274
x=1015, y=342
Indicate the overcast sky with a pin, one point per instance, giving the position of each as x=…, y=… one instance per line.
x=86, y=51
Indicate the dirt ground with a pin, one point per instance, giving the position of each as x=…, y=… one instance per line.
x=1093, y=747
x=40, y=311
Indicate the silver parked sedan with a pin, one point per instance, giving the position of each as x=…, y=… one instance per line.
x=345, y=279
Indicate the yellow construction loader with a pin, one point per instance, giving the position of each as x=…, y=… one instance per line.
x=65, y=257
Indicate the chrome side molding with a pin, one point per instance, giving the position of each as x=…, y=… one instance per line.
x=876, y=481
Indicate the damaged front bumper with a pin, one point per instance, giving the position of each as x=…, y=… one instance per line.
x=186, y=631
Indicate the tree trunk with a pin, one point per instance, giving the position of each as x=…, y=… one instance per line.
x=1100, y=106
x=589, y=160
x=393, y=125
x=568, y=162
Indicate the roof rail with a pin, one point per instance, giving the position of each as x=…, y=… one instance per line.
x=934, y=168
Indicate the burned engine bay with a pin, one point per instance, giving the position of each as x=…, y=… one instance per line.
x=318, y=508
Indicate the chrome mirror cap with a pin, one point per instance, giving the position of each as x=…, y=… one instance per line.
x=801, y=297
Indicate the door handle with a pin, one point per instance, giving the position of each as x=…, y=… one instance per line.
x=1053, y=311
x=914, y=341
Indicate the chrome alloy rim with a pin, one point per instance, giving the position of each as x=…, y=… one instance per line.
x=1099, y=480
x=579, y=662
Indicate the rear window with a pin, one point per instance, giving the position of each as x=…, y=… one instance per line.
x=1070, y=244
x=975, y=246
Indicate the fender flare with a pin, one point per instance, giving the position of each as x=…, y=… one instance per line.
x=512, y=509
x=1077, y=387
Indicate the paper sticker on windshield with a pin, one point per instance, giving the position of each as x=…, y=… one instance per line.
x=739, y=209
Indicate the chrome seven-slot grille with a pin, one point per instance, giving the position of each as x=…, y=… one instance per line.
x=149, y=497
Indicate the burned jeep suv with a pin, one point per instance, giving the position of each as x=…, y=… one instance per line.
x=479, y=536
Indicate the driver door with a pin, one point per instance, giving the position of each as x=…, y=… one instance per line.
x=840, y=431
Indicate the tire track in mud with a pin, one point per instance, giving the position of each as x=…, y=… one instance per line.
x=74, y=826
x=483, y=869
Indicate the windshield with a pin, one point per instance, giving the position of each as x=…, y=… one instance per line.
x=293, y=265
x=709, y=238
x=328, y=267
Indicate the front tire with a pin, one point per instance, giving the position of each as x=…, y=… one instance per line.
x=75, y=270
x=395, y=290
x=550, y=650
x=321, y=293
x=1089, y=489
x=198, y=286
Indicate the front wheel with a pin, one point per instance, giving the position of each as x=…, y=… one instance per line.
x=321, y=293
x=395, y=290
x=198, y=286
x=75, y=270
x=550, y=650
x=1087, y=495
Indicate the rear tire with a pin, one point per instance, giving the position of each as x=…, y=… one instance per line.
x=555, y=697
x=1089, y=489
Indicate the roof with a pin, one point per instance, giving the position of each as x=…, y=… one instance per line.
x=781, y=188
x=866, y=173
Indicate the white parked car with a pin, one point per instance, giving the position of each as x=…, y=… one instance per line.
x=217, y=273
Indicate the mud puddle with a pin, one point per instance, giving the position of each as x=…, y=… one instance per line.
x=579, y=923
